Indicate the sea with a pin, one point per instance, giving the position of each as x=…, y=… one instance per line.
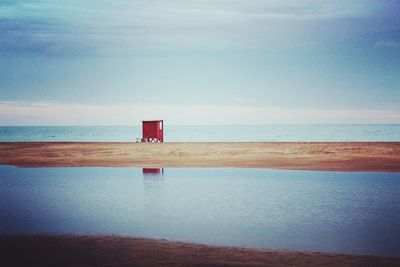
x=207, y=133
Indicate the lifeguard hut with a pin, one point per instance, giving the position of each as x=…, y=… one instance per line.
x=152, y=131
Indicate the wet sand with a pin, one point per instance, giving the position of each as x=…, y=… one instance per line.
x=325, y=156
x=129, y=251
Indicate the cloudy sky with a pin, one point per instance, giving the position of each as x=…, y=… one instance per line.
x=98, y=62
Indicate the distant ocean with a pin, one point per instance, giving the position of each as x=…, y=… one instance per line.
x=254, y=133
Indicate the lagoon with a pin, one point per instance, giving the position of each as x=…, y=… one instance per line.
x=357, y=213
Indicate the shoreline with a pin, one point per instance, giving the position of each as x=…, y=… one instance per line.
x=101, y=250
x=317, y=156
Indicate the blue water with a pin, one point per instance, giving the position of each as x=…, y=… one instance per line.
x=207, y=133
x=299, y=210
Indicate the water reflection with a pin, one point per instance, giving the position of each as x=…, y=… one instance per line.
x=299, y=210
x=153, y=202
x=153, y=171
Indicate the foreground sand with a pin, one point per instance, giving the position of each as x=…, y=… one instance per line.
x=327, y=156
x=125, y=251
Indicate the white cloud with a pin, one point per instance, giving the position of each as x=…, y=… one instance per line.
x=81, y=114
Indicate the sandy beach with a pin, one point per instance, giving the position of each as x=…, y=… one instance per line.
x=129, y=251
x=325, y=156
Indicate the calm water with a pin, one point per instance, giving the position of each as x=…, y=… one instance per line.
x=208, y=133
x=300, y=210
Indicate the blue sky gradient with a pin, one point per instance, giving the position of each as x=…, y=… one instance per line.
x=237, y=61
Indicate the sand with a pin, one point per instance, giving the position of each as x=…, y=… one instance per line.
x=128, y=251
x=324, y=156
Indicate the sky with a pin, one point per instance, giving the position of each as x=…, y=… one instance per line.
x=98, y=62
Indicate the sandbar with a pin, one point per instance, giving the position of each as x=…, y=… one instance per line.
x=319, y=156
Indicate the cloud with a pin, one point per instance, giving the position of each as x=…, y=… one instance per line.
x=62, y=27
x=20, y=113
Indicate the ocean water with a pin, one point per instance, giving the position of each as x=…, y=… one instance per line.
x=254, y=133
x=298, y=210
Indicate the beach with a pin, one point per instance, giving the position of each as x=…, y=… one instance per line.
x=321, y=156
x=96, y=250
x=70, y=250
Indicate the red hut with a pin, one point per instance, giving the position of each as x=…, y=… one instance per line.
x=152, y=131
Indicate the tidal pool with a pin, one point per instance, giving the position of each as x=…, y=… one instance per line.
x=261, y=208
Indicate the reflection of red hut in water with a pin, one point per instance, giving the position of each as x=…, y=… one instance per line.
x=152, y=131
x=155, y=171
